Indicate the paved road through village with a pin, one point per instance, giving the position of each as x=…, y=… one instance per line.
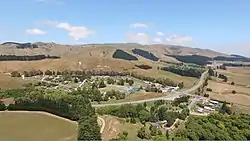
x=171, y=96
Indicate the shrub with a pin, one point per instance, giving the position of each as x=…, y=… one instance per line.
x=233, y=92
x=132, y=120
x=145, y=67
x=209, y=89
x=206, y=95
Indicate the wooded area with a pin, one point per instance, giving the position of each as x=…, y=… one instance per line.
x=145, y=54
x=195, y=59
x=120, y=54
x=185, y=70
x=215, y=127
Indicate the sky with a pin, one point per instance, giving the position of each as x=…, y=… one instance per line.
x=220, y=25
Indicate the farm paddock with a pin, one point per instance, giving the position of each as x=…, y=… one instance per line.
x=25, y=125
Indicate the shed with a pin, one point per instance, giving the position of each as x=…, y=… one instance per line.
x=209, y=109
x=213, y=102
x=155, y=125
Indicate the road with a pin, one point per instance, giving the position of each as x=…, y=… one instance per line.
x=49, y=82
x=82, y=83
x=103, y=123
x=168, y=97
x=201, y=81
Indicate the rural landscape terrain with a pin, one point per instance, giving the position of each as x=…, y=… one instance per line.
x=117, y=91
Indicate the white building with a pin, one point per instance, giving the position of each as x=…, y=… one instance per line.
x=200, y=110
x=213, y=102
x=208, y=109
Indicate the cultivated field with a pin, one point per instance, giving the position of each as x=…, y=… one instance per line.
x=223, y=91
x=35, y=126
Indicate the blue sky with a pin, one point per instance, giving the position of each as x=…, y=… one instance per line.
x=221, y=25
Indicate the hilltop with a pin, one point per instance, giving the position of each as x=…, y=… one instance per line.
x=93, y=56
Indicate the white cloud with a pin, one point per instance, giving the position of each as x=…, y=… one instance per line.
x=35, y=31
x=178, y=39
x=159, y=33
x=141, y=38
x=75, y=32
x=157, y=40
x=139, y=25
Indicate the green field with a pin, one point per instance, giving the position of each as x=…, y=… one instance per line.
x=35, y=126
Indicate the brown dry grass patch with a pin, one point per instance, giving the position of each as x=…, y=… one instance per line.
x=7, y=82
x=240, y=75
x=223, y=91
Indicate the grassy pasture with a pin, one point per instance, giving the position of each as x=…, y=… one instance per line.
x=240, y=75
x=223, y=91
x=21, y=125
x=7, y=82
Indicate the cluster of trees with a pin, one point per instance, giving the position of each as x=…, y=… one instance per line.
x=143, y=66
x=2, y=106
x=145, y=54
x=215, y=127
x=88, y=73
x=185, y=70
x=129, y=81
x=92, y=92
x=221, y=76
x=153, y=88
x=26, y=73
x=121, y=82
x=71, y=106
x=162, y=81
x=195, y=59
x=153, y=133
x=114, y=94
x=110, y=81
x=222, y=67
x=224, y=77
x=26, y=58
x=66, y=73
x=160, y=110
x=120, y=54
x=179, y=100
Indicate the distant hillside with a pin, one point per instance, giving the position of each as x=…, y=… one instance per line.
x=182, y=50
x=232, y=58
x=96, y=56
x=20, y=45
x=120, y=54
x=145, y=54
